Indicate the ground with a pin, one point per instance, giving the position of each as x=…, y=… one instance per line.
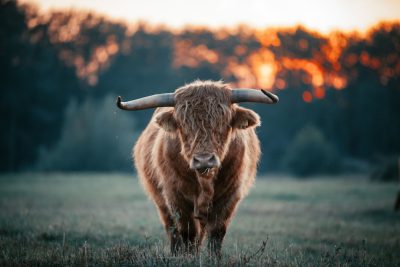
x=100, y=220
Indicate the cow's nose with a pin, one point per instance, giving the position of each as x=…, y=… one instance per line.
x=204, y=161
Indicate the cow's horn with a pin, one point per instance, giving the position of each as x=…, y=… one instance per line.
x=252, y=95
x=153, y=101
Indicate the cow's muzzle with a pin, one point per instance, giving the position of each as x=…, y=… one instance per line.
x=203, y=162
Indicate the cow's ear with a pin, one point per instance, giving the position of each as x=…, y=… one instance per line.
x=245, y=118
x=166, y=121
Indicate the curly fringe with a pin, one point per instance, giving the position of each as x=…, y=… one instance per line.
x=203, y=108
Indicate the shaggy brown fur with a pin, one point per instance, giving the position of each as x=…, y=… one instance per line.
x=193, y=204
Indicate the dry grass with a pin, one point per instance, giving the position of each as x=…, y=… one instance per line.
x=106, y=220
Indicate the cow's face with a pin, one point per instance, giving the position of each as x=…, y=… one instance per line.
x=205, y=121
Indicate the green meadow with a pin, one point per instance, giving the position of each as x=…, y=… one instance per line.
x=107, y=220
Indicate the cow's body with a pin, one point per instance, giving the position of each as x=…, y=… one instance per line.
x=193, y=203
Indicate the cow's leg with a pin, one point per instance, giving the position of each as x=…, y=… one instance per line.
x=188, y=231
x=202, y=206
x=187, y=228
x=164, y=213
x=170, y=227
x=218, y=223
x=216, y=237
x=201, y=226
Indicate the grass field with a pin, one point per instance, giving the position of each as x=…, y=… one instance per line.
x=100, y=220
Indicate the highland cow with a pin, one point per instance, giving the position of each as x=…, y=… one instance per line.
x=197, y=158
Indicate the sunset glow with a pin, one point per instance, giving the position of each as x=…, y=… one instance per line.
x=314, y=58
x=323, y=16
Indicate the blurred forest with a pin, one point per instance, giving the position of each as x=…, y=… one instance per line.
x=60, y=73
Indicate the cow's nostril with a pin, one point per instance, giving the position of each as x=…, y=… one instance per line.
x=204, y=161
x=212, y=158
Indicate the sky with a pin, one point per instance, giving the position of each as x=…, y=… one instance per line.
x=321, y=15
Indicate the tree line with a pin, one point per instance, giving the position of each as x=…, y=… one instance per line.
x=340, y=93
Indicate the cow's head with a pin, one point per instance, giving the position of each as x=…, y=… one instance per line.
x=204, y=117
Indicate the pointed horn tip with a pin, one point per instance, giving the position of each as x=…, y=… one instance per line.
x=119, y=100
x=273, y=97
